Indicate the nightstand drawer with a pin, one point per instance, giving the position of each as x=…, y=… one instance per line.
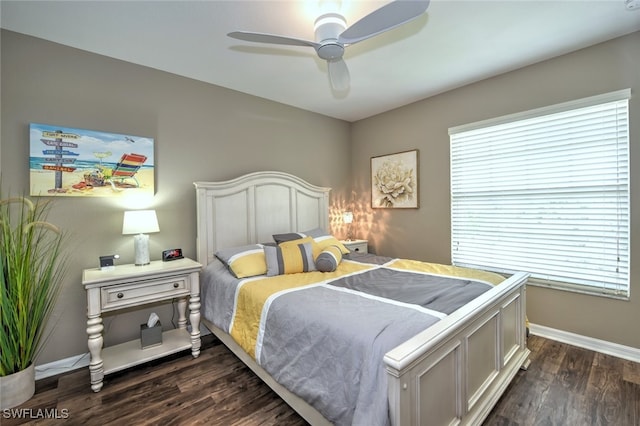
x=118, y=296
x=357, y=246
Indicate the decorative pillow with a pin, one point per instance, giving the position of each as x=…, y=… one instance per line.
x=289, y=258
x=313, y=233
x=295, y=242
x=244, y=261
x=329, y=259
x=325, y=241
x=320, y=237
x=289, y=236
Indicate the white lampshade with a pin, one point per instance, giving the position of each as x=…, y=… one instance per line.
x=140, y=222
x=347, y=217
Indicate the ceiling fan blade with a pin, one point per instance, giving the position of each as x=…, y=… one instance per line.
x=272, y=39
x=384, y=19
x=339, y=75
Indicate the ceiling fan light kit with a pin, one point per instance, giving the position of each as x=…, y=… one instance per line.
x=329, y=25
x=332, y=35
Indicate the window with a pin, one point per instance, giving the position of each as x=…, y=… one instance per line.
x=547, y=192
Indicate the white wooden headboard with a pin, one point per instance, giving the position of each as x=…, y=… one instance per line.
x=251, y=208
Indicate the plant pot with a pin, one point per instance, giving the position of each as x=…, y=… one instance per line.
x=18, y=387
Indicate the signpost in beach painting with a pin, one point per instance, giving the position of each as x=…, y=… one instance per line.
x=76, y=162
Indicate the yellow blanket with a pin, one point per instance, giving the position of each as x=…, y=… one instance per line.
x=253, y=294
x=447, y=270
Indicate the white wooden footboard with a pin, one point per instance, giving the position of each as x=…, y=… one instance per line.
x=455, y=371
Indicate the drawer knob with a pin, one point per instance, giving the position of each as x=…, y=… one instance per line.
x=357, y=249
x=120, y=295
x=176, y=285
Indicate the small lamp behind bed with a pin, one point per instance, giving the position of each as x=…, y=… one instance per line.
x=347, y=217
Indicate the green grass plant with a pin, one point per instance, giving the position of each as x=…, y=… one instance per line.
x=32, y=266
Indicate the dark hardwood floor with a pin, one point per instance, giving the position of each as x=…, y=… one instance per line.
x=564, y=385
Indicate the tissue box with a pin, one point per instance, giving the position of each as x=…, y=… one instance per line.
x=150, y=336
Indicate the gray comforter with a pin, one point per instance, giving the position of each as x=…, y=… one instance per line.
x=326, y=342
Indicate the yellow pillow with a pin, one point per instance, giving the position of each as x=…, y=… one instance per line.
x=289, y=258
x=296, y=241
x=326, y=241
x=244, y=261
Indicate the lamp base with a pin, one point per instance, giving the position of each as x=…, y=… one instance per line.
x=141, y=246
x=349, y=234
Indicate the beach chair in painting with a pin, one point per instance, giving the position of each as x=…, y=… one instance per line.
x=127, y=168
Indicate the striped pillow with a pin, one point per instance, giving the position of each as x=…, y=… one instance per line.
x=244, y=261
x=289, y=258
x=329, y=259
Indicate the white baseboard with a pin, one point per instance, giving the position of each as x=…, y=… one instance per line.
x=597, y=345
x=62, y=366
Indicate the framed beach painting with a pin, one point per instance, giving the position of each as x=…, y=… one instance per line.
x=394, y=181
x=65, y=161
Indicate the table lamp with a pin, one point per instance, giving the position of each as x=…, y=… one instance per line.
x=347, y=217
x=140, y=222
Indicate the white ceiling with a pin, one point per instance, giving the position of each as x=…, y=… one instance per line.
x=453, y=44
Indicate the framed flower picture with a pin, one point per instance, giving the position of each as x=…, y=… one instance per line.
x=394, y=181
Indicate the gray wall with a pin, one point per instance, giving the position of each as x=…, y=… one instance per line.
x=424, y=233
x=201, y=131
x=204, y=132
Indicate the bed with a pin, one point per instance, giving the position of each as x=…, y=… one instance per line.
x=449, y=371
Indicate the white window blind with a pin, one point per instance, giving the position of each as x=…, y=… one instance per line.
x=547, y=192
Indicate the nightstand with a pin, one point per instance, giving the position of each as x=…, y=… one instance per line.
x=358, y=246
x=130, y=286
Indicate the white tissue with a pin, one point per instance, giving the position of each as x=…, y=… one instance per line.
x=153, y=319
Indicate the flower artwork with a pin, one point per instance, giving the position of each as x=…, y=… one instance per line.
x=394, y=180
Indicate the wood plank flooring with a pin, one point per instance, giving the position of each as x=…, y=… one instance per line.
x=564, y=385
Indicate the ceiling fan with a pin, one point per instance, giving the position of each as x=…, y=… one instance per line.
x=332, y=34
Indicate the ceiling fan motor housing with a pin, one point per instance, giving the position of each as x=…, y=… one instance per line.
x=332, y=35
x=327, y=29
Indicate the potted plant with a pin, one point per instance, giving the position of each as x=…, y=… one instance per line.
x=32, y=266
